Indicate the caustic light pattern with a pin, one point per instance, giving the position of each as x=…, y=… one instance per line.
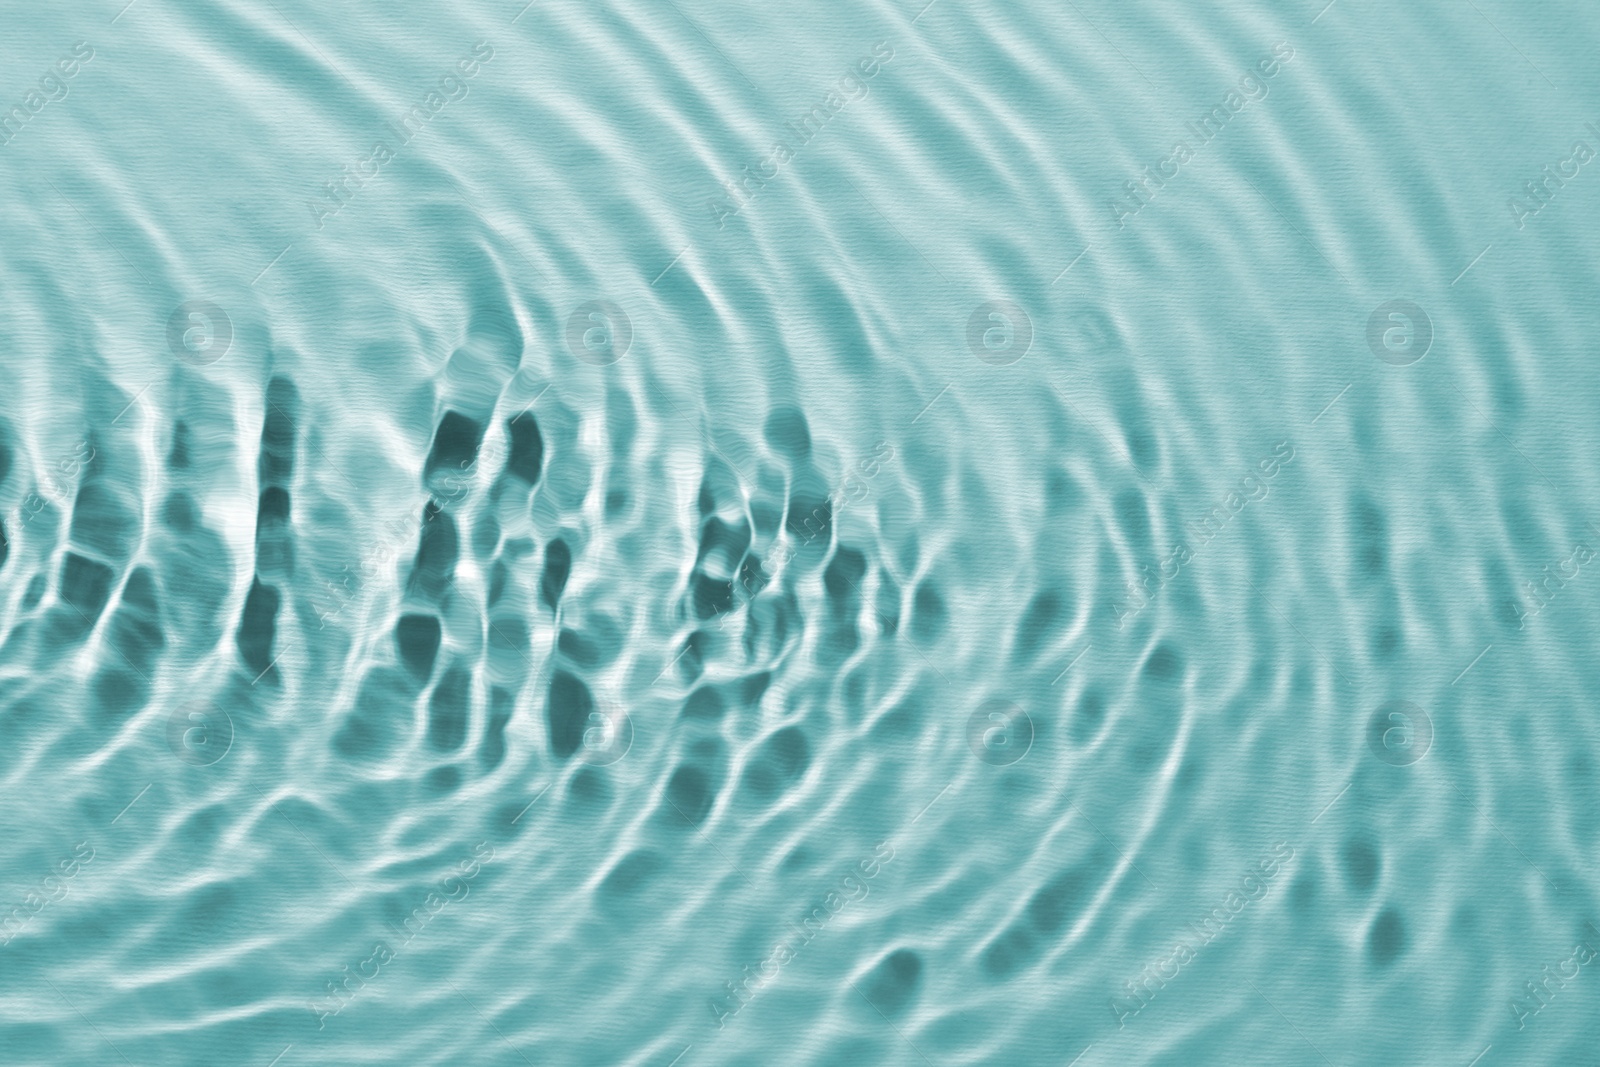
x=695, y=535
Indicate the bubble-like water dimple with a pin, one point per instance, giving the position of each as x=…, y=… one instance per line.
x=449, y=709
x=1386, y=941
x=778, y=763
x=455, y=445
x=258, y=625
x=557, y=568
x=567, y=709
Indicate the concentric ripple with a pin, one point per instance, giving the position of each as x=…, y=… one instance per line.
x=692, y=535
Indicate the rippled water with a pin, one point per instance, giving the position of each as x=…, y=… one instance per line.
x=679, y=534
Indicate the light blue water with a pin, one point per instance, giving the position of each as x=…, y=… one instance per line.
x=702, y=534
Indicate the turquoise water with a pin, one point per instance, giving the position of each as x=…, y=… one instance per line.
x=693, y=534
